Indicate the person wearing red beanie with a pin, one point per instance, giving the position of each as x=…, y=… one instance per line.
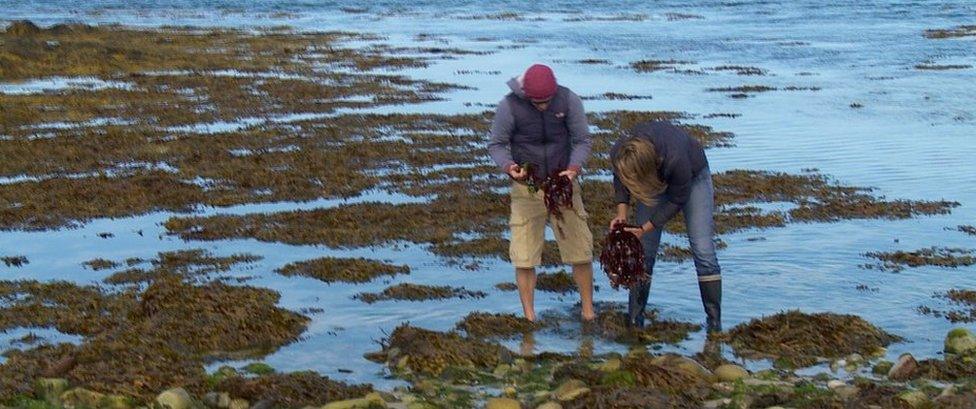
x=543, y=124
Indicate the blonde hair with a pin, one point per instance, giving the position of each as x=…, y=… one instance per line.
x=636, y=165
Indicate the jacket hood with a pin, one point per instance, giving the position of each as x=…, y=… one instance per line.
x=516, y=86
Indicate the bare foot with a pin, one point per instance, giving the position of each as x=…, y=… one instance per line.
x=588, y=315
x=530, y=315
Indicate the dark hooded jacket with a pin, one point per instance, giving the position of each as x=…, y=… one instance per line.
x=553, y=140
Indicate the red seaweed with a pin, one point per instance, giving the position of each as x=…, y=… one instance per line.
x=557, y=191
x=623, y=258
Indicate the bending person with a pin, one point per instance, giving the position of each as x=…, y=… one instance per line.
x=665, y=169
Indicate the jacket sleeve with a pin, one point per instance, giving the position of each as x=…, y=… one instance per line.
x=677, y=174
x=579, y=130
x=499, y=145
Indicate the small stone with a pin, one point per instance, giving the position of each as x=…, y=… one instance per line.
x=882, y=368
x=239, y=404
x=50, y=389
x=904, y=368
x=550, y=405
x=510, y=391
x=503, y=403
x=730, y=373
x=834, y=384
x=914, y=399
x=219, y=400
x=80, y=398
x=960, y=341
x=688, y=365
x=569, y=390
x=176, y=398
x=948, y=391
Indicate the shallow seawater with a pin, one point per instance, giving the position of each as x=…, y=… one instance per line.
x=912, y=139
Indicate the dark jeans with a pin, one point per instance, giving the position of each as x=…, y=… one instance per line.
x=700, y=223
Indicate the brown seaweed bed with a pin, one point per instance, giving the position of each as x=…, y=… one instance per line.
x=799, y=339
x=933, y=256
x=139, y=341
x=419, y=292
x=963, y=302
x=348, y=270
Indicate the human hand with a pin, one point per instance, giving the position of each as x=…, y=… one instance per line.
x=641, y=230
x=517, y=172
x=618, y=220
x=570, y=173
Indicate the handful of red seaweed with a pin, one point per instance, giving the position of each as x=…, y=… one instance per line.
x=623, y=258
x=557, y=191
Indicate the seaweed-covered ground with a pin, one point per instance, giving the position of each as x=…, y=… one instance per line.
x=199, y=125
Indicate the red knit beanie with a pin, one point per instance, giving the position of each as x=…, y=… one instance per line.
x=539, y=82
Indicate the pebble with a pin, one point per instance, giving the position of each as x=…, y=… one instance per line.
x=730, y=373
x=176, y=398
x=717, y=403
x=550, y=405
x=834, y=384
x=569, y=390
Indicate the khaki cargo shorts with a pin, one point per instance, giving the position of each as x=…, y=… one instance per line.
x=528, y=224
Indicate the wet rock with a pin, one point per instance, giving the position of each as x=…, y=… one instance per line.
x=219, y=400
x=882, y=367
x=176, y=398
x=502, y=403
x=960, y=341
x=685, y=364
x=23, y=28
x=50, y=389
x=904, y=368
x=914, y=399
x=570, y=390
x=79, y=398
x=730, y=373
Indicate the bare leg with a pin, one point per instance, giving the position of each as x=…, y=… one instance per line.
x=525, y=278
x=583, y=274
